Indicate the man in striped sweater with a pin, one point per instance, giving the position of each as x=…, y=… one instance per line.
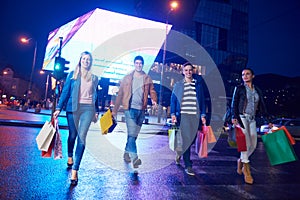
x=188, y=112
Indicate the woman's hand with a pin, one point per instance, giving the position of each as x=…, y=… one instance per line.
x=96, y=117
x=234, y=121
x=56, y=113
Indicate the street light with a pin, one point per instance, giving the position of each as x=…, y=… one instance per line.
x=173, y=6
x=26, y=41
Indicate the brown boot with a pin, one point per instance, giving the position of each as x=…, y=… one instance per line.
x=247, y=174
x=239, y=167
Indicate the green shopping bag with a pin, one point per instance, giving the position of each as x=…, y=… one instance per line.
x=278, y=148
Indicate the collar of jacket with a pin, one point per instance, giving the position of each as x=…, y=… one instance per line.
x=131, y=73
x=195, y=80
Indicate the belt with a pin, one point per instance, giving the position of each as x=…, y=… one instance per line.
x=247, y=116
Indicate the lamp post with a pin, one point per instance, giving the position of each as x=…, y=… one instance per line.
x=173, y=6
x=26, y=41
x=47, y=84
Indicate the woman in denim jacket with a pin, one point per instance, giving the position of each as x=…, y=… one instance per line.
x=79, y=97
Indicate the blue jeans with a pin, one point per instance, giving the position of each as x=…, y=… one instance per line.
x=79, y=123
x=134, y=120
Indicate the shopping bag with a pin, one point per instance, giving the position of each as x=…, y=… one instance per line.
x=175, y=139
x=240, y=139
x=113, y=126
x=48, y=153
x=57, y=142
x=107, y=122
x=278, y=148
x=201, y=143
x=171, y=133
x=210, y=135
x=288, y=135
x=232, y=138
x=45, y=136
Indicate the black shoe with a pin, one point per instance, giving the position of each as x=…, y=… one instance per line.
x=74, y=182
x=177, y=159
x=126, y=157
x=136, y=162
x=69, y=165
x=189, y=171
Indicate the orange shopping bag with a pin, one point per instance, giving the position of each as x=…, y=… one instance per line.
x=210, y=135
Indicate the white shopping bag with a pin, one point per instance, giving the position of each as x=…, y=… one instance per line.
x=172, y=141
x=175, y=139
x=45, y=136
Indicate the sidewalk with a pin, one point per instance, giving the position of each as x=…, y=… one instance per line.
x=152, y=127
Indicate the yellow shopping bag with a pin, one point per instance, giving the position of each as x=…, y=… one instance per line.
x=107, y=122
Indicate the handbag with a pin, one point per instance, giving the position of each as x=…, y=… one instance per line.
x=107, y=122
x=45, y=136
x=278, y=148
x=175, y=139
x=201, y=142
x=240, y=139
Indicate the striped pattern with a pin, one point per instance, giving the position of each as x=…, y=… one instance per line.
x=189, y=99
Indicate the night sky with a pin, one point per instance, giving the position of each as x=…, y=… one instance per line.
x=273, y=31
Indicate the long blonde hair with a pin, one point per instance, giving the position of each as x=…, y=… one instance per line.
x=78, y=71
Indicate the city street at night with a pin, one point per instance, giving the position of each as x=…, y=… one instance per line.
x=104, y=175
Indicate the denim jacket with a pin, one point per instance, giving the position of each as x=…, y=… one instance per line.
x=69, y=97
x=176, y=99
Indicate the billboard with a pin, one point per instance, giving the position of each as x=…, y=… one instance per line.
x=104, y=33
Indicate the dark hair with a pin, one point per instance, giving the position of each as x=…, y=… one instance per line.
x=248, y=68
x=139, y=58
x=188, y=63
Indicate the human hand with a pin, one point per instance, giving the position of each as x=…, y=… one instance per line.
x=154, y=105
x=203, y=119
x=174, y=119
x=95, y=117
x=234, y=121
x=56, y=113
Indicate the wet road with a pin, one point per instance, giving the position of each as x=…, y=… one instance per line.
x=103, y=175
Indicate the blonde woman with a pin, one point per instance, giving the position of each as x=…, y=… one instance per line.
x=79, y=97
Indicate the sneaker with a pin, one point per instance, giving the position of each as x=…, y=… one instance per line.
x=189, y=171
x=136, y=162
x=126, y=157
x=177, y=159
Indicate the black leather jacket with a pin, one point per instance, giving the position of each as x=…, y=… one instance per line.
x=239, y=103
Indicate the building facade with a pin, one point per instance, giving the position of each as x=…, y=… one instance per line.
x=12, y=88
x=222, y=29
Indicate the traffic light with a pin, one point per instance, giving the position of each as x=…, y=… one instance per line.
x=59, y=68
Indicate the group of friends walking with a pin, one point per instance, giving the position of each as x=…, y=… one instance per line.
x=188, y=111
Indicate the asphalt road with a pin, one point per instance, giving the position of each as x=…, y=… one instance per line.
x=24, y=174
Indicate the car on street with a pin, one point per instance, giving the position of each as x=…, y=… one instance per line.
x=292, y=125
